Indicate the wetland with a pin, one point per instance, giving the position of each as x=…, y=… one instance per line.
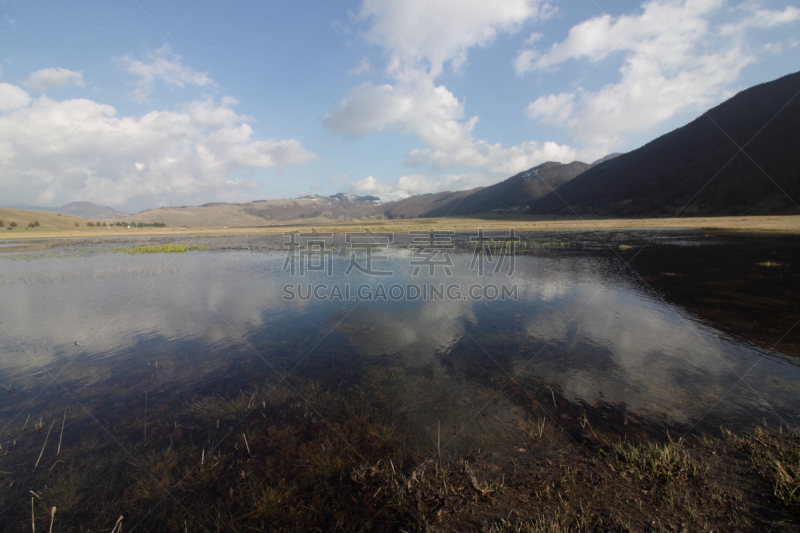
x=628, y=380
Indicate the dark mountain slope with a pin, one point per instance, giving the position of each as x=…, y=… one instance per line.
x=515, y=193
x=419, y=205
x=698, y=164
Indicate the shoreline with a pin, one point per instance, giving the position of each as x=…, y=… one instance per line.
x=778, y=224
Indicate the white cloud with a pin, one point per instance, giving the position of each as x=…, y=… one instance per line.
x=421, y=38
x=668, y=29
x=416, y=105
x=421, y=32
x=51, y=78
x=554, y=107
x=674, y=60
x=423, y=184
x=494, y=157
x=437, y=117
x=162, y=156
x=387, y=193
x=370, y=185
x=11, y=21
x=12, y=97
x=165, y=66
x=762, y=19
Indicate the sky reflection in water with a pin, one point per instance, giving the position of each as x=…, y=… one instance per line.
x=216, y=320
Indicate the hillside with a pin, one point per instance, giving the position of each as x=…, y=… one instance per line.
x=420, y=204
x=341, y=207
x=514, y=194
x=78, y=209
x=47, y=221
x=663, y=176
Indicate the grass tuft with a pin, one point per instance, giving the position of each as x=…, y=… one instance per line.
x=660, y=464
x=776, y=456
x=161, y=249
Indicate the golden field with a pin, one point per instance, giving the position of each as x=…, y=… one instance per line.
x=53, y=225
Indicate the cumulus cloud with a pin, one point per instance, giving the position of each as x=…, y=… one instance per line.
x=674, y=60
x=421, y=32
x=494, y=157
x=162, y=65
x=12, y=97
x=423, y=184
x=51, y=78
x=421, y=39
x=417, y=105
x=159, y=157
x=371, y=186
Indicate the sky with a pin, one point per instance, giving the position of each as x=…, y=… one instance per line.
x=144, y=104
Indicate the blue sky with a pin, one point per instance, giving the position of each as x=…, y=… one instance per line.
x=144, y=104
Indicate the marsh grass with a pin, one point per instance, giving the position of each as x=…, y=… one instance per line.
x=161, y=249
x=660, y=463
x=776, y=457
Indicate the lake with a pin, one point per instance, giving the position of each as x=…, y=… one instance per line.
x=631, y=332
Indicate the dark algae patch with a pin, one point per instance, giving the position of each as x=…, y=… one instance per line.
x=180, y=392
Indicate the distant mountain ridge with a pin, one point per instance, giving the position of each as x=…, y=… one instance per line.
x=307, y=209
x=513, y=194
x=698, y=169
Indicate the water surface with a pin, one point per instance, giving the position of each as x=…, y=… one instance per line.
x=667, y=340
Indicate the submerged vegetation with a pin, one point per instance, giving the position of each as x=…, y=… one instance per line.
x=161, y=249
x=333, y=455
x=771, y=264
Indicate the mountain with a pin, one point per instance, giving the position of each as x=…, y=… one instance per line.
x=46, y=221
x=514, y=194
x=323, y=209
x=78, y=209
x=699, y=165
x=347, y=197
x=421, y=204
x=609, y=157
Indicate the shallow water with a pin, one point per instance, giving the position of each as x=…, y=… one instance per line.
x=660, y=340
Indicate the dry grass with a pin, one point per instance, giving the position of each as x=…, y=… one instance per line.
x=776, y=456
x=660, y=464
x=50, y=227
x=48, y=222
